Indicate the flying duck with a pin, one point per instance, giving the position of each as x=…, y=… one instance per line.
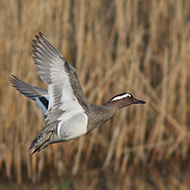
x=67, y=112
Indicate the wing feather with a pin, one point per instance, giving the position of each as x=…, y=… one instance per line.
x=28, y=90
x=57, y=73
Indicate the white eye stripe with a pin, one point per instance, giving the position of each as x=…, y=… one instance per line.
x=119, y=97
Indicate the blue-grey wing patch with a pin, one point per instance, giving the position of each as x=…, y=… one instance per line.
x=37, y=94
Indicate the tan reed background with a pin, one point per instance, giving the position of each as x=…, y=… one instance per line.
x=142, y=47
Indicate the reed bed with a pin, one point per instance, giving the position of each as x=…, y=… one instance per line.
x=142, y=47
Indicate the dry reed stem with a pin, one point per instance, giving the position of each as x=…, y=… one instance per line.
x=142, y=47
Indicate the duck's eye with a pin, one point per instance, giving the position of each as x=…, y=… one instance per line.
x=128, y=95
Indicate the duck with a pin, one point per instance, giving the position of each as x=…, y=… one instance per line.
x=66, y=110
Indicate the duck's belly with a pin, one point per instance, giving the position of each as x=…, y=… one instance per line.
x=73, y=127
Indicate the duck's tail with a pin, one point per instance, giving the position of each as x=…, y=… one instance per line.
x=41, y=141
x=43, y=138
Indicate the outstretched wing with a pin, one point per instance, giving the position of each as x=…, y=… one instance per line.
x=26, y=89
x=35, y=93
x=65, y=93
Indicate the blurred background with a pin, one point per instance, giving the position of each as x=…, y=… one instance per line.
x=136, y=46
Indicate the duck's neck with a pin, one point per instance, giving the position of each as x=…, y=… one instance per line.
x=97, y=115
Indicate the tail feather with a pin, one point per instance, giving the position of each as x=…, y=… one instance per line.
x=43, y=138
x=40, y=142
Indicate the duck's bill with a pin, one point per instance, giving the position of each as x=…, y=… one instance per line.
x=135, y=101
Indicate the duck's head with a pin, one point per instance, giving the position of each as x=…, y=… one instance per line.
x=123, y=100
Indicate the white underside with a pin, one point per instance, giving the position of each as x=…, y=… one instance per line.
x=72, y=127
